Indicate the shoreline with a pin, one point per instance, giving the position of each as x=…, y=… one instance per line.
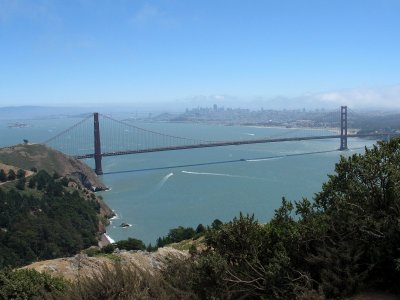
x=105, y=240
x=335, y=129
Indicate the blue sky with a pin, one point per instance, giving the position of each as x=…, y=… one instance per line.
x=129, y=52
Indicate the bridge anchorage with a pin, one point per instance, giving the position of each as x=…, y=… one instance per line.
x=105, y=136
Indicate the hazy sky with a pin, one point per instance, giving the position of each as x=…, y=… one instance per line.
x=70, y=52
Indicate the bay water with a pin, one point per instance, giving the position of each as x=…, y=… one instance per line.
x=155, y=192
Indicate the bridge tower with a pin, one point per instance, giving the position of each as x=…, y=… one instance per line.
x=343, y=128
x=97, y=145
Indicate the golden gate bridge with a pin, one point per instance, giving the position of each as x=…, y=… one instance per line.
x=99, y=135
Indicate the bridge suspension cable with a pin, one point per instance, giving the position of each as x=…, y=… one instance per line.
x=112, y=137
x=119, y=137
x=75, y=140
x=128, y=137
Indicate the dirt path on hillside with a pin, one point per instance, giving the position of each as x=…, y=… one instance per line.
x=7, y=168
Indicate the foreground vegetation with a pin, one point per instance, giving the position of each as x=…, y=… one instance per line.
x=345, y=240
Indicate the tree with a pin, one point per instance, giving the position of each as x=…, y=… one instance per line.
x=32, y=183
x=21, y=183
x=216, y=224
x=44, y=225
x=64, y=181
x=43, y=179
x=11, y=175
x=180, y=233
x=3, y=176
x=20, y=173
x=236, y=239
x=257, y=257
x=200, y=228
x=355, y=222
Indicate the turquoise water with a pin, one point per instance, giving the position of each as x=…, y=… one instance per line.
x=158, y=191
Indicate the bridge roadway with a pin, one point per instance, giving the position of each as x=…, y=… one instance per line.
x=233, y=143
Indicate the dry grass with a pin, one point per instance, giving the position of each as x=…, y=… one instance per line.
x=124, y=282
x=7, y=168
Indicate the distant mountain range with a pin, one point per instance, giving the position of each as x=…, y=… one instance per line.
x=34, y=112
x=147, y=109
x=47, y=112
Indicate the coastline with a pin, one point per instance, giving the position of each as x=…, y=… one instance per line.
x=105, y=240
x=109, y=239
x=333, y=129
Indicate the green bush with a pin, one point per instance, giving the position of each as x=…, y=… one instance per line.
x=21, y=173
x=176, y=235
x=130, y=244
x=92, y=251
x=108, y=248
x=11, y=175
x=3, y=176
x=29, y=284
x=358, y=213
x=21, y=183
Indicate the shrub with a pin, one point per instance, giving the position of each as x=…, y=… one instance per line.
x=11, y=175
x=20, y=173
x=21, y=183
x=29, y=284
x=3, y=176
x=130, y=244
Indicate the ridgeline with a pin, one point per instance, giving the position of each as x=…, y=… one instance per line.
x=41, y=157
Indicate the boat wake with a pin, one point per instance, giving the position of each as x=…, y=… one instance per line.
x=221, y=174
x=163, y=181
x=263, y=159
x=211, y=174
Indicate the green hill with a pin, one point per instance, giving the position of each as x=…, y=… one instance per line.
x=41, y=157
x=44, y=217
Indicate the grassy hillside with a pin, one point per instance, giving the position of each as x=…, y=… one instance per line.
x=41, y=157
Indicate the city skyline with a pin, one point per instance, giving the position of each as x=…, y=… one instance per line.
x=148, y=53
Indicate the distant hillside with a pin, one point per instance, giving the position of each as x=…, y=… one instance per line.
x=52, y=161
x=33, y=112
x=367, y=122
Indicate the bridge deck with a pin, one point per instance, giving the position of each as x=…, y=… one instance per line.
x=230, y=143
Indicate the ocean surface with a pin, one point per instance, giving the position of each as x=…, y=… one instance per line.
x=155, y=192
